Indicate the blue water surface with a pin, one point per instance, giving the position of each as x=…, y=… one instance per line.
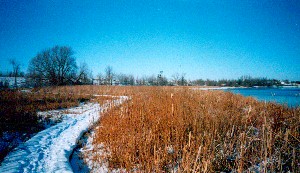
x=287, y=96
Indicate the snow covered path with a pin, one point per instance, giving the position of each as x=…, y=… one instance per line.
x=50, y=149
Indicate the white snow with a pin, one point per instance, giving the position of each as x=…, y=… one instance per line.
x=89, y=151
x=83, y=159
x=49, y=150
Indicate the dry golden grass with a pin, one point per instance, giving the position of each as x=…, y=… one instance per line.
x=165, y=128
x=162, y=129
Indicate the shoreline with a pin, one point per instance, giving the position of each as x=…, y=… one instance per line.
x=281, y=95
x=240, y=87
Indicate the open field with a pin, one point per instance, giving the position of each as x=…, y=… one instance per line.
x=165, y=129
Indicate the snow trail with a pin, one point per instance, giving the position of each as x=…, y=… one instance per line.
x=50, y=149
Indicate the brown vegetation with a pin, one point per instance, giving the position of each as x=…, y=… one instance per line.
x=161, y=129
x=18, y=108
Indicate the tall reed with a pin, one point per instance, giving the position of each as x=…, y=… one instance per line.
x=178, y=129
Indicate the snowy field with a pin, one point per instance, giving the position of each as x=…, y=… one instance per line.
x=50, y=149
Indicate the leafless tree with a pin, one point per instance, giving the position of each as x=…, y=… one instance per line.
x=109, y=74
x=85, y=74
x=142, y=81
x=55, y=66
x=126, y=79
x=161, y=79
x=152, y=80
x=175, y=78
x=182, y=81
x=100, y=78
x=123, y=79
x=16, y=69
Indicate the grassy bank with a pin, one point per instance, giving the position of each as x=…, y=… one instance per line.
x=176, y=128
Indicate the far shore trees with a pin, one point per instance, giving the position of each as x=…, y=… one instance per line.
x=85, y=75
x=54, y=66
x=109, y=75
x=125, y=79
x=16, y=68
x=57, y=66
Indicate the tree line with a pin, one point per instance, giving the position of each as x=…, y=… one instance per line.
x=57, y=66
x=244, y=81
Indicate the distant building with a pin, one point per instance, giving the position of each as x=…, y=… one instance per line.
x=115, y=82
x=98, y=82
x=105, y=82
x=9, y=82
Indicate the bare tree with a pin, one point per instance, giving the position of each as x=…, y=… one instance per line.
x=131, y=80
x=183, y=81
x=100, y=78
x=142, y=81
x=175, y=78
x=123, y=79
x=161, y=80
x=109, y=74
x=16, y=69
x=152, y=80
x=85, y=74
x=55, y=66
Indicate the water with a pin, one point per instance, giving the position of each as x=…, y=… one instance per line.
x=288, y=96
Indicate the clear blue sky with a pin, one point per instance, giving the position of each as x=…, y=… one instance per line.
x=204, y=39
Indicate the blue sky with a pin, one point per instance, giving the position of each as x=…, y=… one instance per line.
x=203, y=39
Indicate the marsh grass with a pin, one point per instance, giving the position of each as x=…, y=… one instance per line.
x=165, y=129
